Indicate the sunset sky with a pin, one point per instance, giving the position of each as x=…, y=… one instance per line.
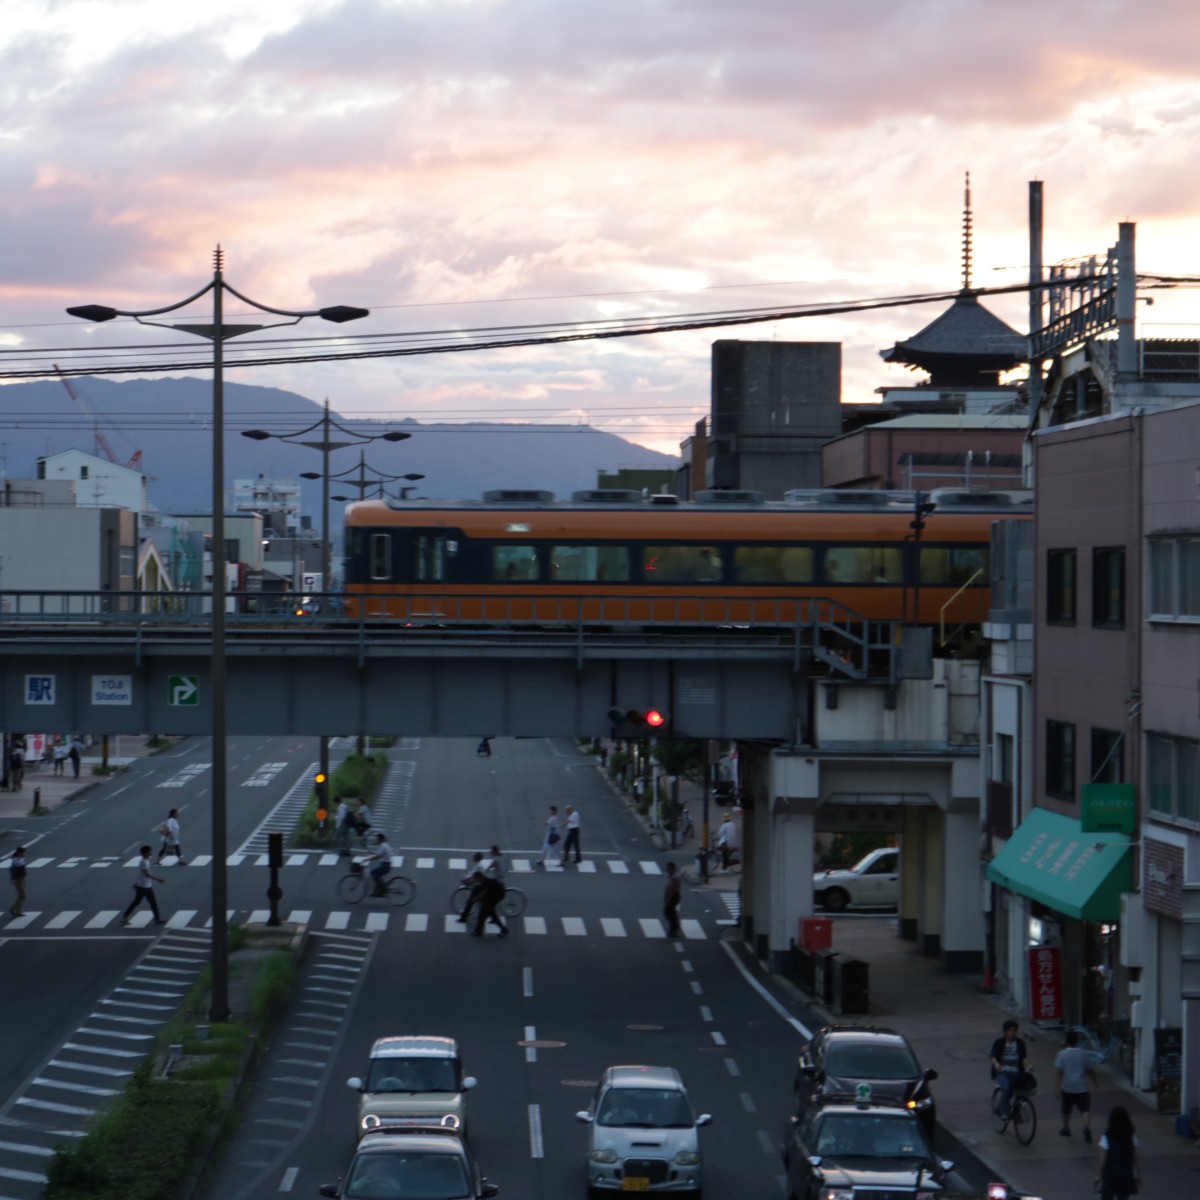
x=486, y=163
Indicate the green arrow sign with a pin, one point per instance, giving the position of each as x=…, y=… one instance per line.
x=183, y=689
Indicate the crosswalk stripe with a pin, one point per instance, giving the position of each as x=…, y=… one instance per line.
x=612, y=926
x=260, y=916
x=416, y=923
x=426, y=864
x=652, y=927
x=574, y=926
x=377, y=922
x=329, y=860
x=338, y=920
x=201, y=860
x=103, y=918
x=180, y=919
x=693, y=930
x=299, y=916
x=24, y=921
x=618, y=866
x=63, y=919
x=453, y=925
x=587, y=867
x=535, y=924
x=650, y=868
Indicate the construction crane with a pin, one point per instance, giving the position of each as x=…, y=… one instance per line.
x=135, y=461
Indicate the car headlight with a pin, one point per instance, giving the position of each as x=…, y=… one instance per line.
x=688, y=1158
x=924, y=1102
x=837, y=1194
x=371, y=1121
x=603, y=1156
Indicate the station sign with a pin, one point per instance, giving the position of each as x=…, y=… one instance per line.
x=112, y=689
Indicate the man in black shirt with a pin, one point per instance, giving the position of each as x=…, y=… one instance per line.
x=1009, y=1063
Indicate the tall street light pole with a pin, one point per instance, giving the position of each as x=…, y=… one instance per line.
x=326, y=446
x=218, y=332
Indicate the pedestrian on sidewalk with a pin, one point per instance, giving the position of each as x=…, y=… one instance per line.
x=726, y=840
x=1119, y=1175
x=484, y=749
x=16, y=872
x=343, y=826
x=1075, y=1072
x=143, y=889
x=672, y=895
x=75, y=754
x=571, y=841
x=1010, y=1062
x=170, y=839
x=16, y=762
x=60, y=757
x=551, y=838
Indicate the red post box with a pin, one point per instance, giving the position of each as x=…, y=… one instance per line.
x=816, y=933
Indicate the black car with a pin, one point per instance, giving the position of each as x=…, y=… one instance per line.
x=839, y=1150
x=406, y=1162
x=865, y=1064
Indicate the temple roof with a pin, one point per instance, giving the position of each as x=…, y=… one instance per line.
x=965, y=337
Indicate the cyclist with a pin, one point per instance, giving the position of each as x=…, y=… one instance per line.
x=1010, y=1062
x=382, y=856
x=726, y=840
x=475, y=882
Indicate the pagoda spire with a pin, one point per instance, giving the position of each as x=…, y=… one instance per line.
x=966, y=229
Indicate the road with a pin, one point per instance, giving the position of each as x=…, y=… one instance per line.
x=588, y=978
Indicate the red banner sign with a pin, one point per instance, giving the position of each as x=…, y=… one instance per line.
x=1045, y=984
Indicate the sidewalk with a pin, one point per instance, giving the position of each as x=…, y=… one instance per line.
x=952, y=1023
x=17, y=818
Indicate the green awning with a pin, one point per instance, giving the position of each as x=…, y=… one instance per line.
x=1051, y=860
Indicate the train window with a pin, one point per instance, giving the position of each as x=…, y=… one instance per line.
x=864, y=564
x=381, y=556
x=517, y=563
x=953, y=566
x=773, y=564
x=429, y=558
x=590, y=564
x=681, y=564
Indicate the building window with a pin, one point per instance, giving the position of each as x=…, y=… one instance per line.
x=1002, y=770
x=1108, y=587
x=1060, y=759
x=1060, y=587
x=1108, y=756
x=1173, y=776
x=1175, y=578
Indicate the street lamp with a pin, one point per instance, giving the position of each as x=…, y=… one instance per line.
x=218, y=332
x=326, y=446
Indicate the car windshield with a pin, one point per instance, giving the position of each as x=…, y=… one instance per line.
x=871, y=1060
x=851, y=1135
x=650, y=1108
x=412, y=1075
x=408, y=1176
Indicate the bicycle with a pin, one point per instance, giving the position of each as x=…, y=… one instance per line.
x=513, y=904
x=1021, y=1115
x=399, y=889
x=716, y=860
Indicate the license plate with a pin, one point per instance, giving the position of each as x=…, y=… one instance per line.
x=635, y=1183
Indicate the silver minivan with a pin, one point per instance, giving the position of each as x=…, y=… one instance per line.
x=643, y=1134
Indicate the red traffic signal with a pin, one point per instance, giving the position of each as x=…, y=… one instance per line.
x=655, y=719
x=632, y=721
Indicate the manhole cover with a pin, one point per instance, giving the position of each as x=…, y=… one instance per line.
x=646, y=1028
x=541, y=1044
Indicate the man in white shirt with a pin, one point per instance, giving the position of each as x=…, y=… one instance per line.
x=170, y=839
x=571, y=841
x=143, y=889
x=726, y=840
x=383, y=857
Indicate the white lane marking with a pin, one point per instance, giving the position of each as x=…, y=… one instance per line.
x=299, y=916
x=587, y=867
x=289, y=1179
x=103, y=918
x=22, y=1176
x=522, y=865
x=765, y=1143
x=617, y=867
x=23, y=1148
x=652, y=927
x=747, y=1102
x=338, y=920
x=181, y=918
x=574, y=927
x=377, y=922
x=687, y=966
x=457, y=864
x=426, y=864
x=296, y=860
x=201, y=860
x=23, y=922
x=260, y=916
x=526, y=982
x=63, y=919
x=453, y=925
x=697, y=988
x=535, y=924
x=612, y=926
x=536, y=1150
x=416, y=923
x=799, y=1026
x=718, y=1038
x=705, y=1013
x=530, y=1050
x=732, y=1067
x=650, y=868
x=693, y=930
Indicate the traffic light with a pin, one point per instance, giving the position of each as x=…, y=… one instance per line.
x=634, y=722
x=321, y=786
